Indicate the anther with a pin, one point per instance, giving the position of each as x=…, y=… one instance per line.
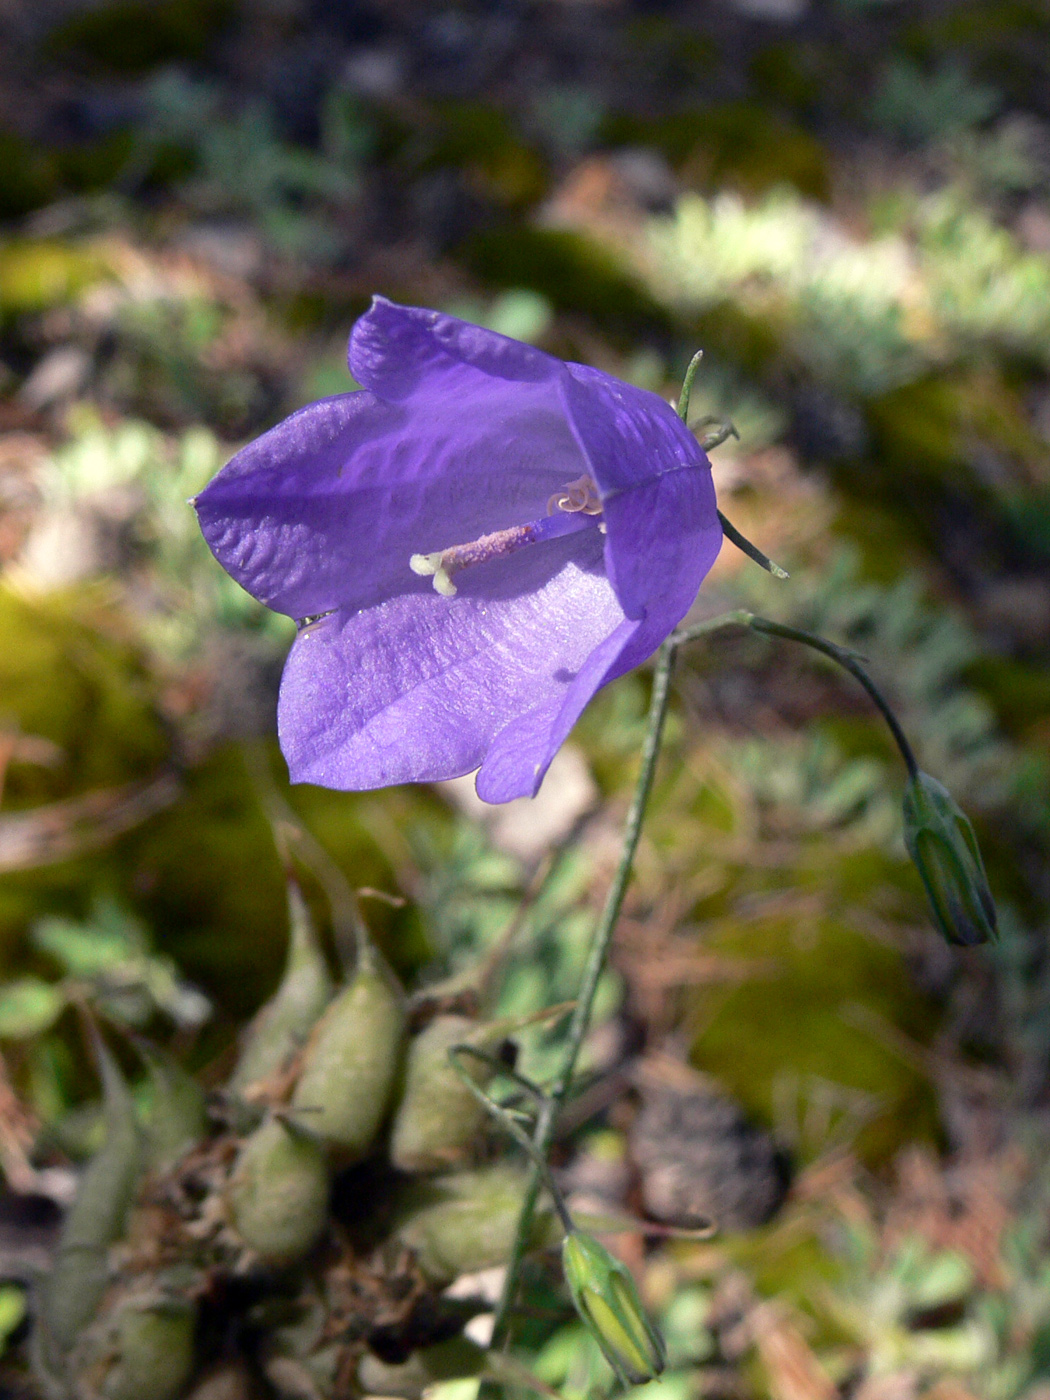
x=579, y=496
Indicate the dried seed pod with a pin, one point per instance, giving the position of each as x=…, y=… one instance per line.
x=278, y=1193
x=229, y=1381
x=150, y=1350
x=466, y=1221
x=74, y=1288
x=178, y=1117
x=284, y=1022
x=351, y=1060
x=458, y=1358
x=438, y=1119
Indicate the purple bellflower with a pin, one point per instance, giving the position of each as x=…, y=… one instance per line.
x=478, y=540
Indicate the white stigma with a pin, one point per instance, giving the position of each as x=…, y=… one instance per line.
x=432, y=566
x=578, y=496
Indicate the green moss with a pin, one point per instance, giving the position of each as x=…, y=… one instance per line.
x=749, y=342
x=213, y=886
x=36, y=275
x=572, y=271
x=127, y=37
x=980, y=26
x=785, y=73
x=812, y=1038
x=673, y=54
x=93, y=165
x=927, y=441
x=32, y=175
x=889, y=546
x=738, y=144
x=482, y=141
x=1028, y=516
x=28, y=176
x=69, y=672
x=917, y=431
x=1019, y=692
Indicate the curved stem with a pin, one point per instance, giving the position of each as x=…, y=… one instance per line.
x=602, y=937
x=517, y=1132
x=849, y=660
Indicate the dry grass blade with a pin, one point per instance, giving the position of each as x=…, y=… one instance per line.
x=64, y=830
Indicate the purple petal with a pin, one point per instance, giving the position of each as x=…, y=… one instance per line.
x=325, y=510
x=400, y=351
x=655, y=482
x=416, y=688
x=521, y=753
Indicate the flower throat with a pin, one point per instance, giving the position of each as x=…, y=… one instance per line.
x=576, y=506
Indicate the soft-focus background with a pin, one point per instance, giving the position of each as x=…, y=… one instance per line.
x=846, y=203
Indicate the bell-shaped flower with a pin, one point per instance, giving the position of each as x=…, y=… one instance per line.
x=473, y=544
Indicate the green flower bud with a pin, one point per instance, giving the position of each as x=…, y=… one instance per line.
x=278, y=1193
x=466, y=1221
x=282, y=1025
x=351, y=1060
x=941, y=842
x=607, y=1301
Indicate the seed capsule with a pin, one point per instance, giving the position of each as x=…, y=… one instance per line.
x=351, y=1060
x=282, y=1025
x=607, y=1300
x=152, y=1351
x=456, y=1359
x=466, y=1221
x=438, y=1119
x=178, y=1117
x=278, y=1193
x=79, y=1275
x=941, y=842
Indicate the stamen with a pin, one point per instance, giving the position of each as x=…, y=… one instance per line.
x=440, y=566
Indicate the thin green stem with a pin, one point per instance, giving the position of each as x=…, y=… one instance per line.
x=543, y=1133
x=850, y=662
x=509, y=1125
x=846, y=658
x=732, y=534
x=752, y=551
x=687, y=386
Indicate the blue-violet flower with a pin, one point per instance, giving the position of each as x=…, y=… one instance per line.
x=480, y=538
